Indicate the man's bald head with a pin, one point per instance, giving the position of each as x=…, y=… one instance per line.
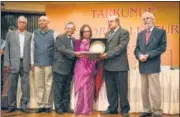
x=113, y=22
x=43, y=22
x=114, y=17
x=148, y=19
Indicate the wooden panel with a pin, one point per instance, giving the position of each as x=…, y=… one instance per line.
x=53, y=114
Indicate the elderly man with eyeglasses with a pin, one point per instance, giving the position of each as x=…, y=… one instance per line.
x=151, y=43
x=17, y=62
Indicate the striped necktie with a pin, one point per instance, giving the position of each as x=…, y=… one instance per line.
x=148, y=33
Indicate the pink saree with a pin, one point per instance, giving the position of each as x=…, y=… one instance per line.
x=84, y=81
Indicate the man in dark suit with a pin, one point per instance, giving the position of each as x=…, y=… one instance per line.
x=2, y=42
x=151, y=43
x=116, y=67
x=17, y=62
x=64, y=59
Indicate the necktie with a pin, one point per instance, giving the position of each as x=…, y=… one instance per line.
x=72, y=45
x=147, y=36
x=111, y=33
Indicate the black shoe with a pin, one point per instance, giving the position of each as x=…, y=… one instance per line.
x=47, y=110
x=109, y=112
x=68, y=110
x=10, y=110
x=125, y=114
x=145, y=114
x=59, y=111
x=40, y=110
x=25, y=110
x=156, y=115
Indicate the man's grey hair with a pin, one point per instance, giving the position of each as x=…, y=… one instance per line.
x=145, y=14
x=22, y=17
x=70, y=22
x=44, y=17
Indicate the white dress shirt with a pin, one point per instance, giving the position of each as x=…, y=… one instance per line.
x=151, y=29
x=21, y=40
x=111, y=34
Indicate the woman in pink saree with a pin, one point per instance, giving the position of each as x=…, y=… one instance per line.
x=84, y=74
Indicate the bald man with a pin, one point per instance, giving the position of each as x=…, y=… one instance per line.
x=116, y=67
x=151, y=43
x=17, y=62
x=42, y=47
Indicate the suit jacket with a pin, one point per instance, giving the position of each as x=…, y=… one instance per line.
x=117, y=51
x=12, y=48
x=155, y=47
x=63, y=55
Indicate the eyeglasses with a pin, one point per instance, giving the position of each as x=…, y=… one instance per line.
x=22, y=22
x=86, y=31
x=42, y=20
x=110, y=21
x=69, y=28
x=146, y=18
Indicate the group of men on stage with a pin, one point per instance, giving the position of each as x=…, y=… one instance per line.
x=52, y=62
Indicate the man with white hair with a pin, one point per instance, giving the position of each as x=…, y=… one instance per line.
x=42, y=48
x=17, y=62
x=116, y=67
x=151, y=43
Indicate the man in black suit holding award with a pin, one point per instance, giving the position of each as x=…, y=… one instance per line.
x=151, y=43
x=116, y=67
x=64, y=58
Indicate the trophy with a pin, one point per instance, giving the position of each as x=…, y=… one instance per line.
x=97, y=46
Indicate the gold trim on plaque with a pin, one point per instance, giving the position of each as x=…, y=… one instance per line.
x=97, y=46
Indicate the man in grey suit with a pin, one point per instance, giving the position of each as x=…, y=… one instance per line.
x=17, y=62
x=151, y=43
x=63, y=65
x=116, y=67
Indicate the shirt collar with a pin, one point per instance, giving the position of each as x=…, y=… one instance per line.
x=68, y=36
x=43, y=31
x=21, y=33
x=151, y=28
x=116, y=29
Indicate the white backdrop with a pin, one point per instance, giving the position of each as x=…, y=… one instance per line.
x=169, y=80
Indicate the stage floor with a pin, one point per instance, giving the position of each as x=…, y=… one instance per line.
x=53, y=114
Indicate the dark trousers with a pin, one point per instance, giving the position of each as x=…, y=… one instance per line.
x=61, y=88
x=2, y=67
x=117, y=84
x=12, y=88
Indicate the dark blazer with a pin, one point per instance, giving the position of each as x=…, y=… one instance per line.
x=63, y=55
x=12, y=55
x=155, y=47
x=117, y=51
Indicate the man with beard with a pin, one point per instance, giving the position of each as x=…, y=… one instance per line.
x=151, y=43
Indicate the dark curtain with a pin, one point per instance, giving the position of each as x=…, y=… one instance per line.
x=10, y=19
